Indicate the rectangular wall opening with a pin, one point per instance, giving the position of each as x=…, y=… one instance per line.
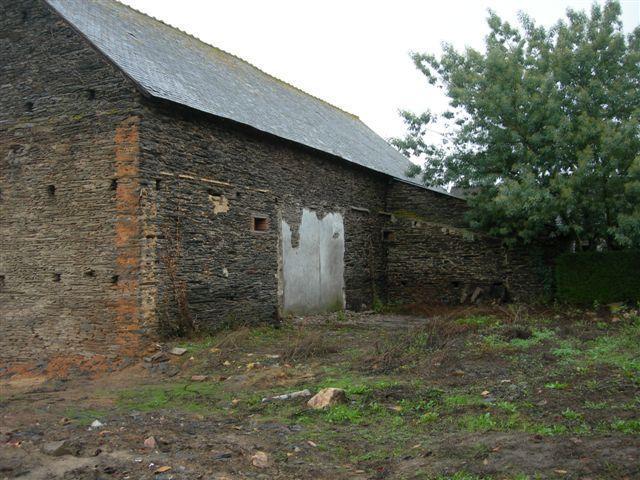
x=260, y=224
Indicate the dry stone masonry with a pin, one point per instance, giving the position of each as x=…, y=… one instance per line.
x=125, y=216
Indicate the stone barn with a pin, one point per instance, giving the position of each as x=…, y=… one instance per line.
x=151, y=182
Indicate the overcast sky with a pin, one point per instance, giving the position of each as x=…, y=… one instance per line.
x=354, y=53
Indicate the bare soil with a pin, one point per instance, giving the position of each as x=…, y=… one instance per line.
x=458, y=394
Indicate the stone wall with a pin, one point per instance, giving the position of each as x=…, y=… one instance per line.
x=69, y=198
x=211, y=178
x=123, y=217
x=433, y=258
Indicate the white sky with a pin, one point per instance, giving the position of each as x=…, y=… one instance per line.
x=354, y=53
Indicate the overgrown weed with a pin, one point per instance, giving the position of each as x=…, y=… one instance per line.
x=304, y=343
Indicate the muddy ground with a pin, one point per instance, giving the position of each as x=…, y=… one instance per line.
x=493, y=393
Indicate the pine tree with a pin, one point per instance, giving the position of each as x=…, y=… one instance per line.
x=544, y=127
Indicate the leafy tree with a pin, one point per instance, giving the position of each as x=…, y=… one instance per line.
x=544, y=127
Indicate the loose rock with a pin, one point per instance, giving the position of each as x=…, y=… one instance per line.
x=476, y=294
x=150, y=442
x=157, y=357
x=327, y=397
x=261, y=460
x=178, y=351
x=57, y=449
x=199, y=378
x=288, y=396
x=97, y=424
x=221, y=456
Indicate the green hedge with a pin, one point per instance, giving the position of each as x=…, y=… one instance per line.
x=603, y=277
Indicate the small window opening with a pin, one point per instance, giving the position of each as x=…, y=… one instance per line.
x=114, y=184
x=214, y=193
x=260, y=224
x=455, y=284
x=57, y=277
x=91, y=94
x=28, y=106
x=51, y=190
x=115, y=279
x=388, y=235
x=2, y=282
x=90, y=273
x=25, y=15
x=158, y=183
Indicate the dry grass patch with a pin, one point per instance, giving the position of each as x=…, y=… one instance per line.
x=233, y=340
x=303, y=344
x=407, y=349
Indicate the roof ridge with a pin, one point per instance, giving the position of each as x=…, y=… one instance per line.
x=236, y=57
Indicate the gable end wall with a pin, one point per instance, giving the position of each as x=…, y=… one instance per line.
x=70, y=200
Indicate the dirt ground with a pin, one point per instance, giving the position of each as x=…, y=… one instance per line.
x=463, y=394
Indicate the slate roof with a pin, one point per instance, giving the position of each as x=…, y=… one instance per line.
x=169, y=64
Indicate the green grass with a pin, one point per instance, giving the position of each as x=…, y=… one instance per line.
x=566, y=350
x=537, y=337
x=556, y=385
x=343, y=414
x=514, y=422
x=200, y=397
x=429, y=417
x=494, y=341
x=201, y=344
x=570, y=414
x=626, y=426
x=85, y=416
x=478, y=321
x=619, y=349
x=462, y=400
x=417, y=405
x=507, y=407
x=477, y=423
x=356, y=385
